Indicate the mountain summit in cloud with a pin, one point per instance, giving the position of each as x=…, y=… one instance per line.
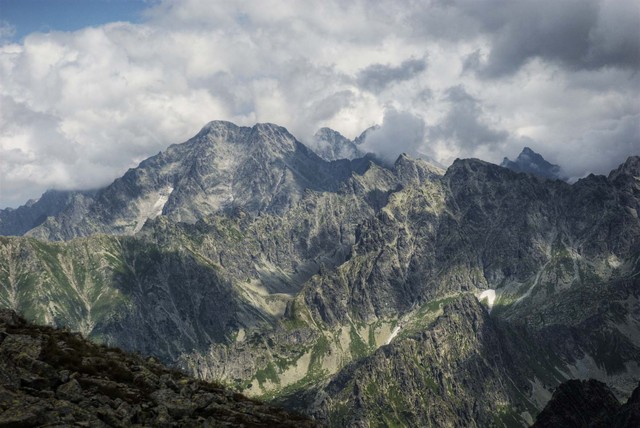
x=331, y=145
x=533, y=163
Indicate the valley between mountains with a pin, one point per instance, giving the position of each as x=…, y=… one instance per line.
x=356, y=292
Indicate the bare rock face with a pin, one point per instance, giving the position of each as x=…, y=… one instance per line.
x=52, y=377
x=331, y=145
x=429, y=378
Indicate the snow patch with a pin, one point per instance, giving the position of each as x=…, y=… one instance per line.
x=614, y=262
x=161, y=202
x=490, y=295
x=150, y=210
x=394, y=333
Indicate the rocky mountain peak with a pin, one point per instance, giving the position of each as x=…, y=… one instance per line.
x=410, y=169
x=217, y=126
x=387, y=296
x=24, y=218
x=329, y=134
x=331, y=145
x=262, y=168
x=360, y=139
x=274, y=135
x=466, y=168
x=219, y=132
x=630, y=168
x=533, y=163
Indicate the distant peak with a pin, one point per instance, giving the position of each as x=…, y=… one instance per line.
x=325, y=132
x=631, y=168
x=217, y=124
x=332, y=145
x=533, y=163
x=362, y=137
x=269, y=126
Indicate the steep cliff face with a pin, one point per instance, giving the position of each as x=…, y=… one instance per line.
x=356, y=292
x=179, y=287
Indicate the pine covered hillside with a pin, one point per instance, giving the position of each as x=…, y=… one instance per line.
x=357, y=293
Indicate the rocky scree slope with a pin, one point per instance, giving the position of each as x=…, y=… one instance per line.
x=54, y=377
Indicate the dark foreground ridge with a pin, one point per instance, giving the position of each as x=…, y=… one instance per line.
x=52, y=377
x=589, y=403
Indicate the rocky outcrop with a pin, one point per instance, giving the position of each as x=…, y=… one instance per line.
x=54, y=377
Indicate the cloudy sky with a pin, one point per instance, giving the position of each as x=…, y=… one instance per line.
x=89, y=88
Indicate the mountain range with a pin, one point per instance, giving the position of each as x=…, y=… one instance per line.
x=333, y=284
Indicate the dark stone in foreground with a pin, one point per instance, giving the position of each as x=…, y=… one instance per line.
x=56, y=378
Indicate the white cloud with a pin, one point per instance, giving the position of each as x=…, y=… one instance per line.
x=400, y=132
x=80, y=108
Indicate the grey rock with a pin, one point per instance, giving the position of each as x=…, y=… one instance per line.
x=21, y=416
x=70, y=391
x=15, y=222
x=331, y=145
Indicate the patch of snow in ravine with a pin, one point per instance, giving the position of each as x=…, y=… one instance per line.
x=161, y=202
x=394, y=333
x=490, y=295
x=152, y=211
